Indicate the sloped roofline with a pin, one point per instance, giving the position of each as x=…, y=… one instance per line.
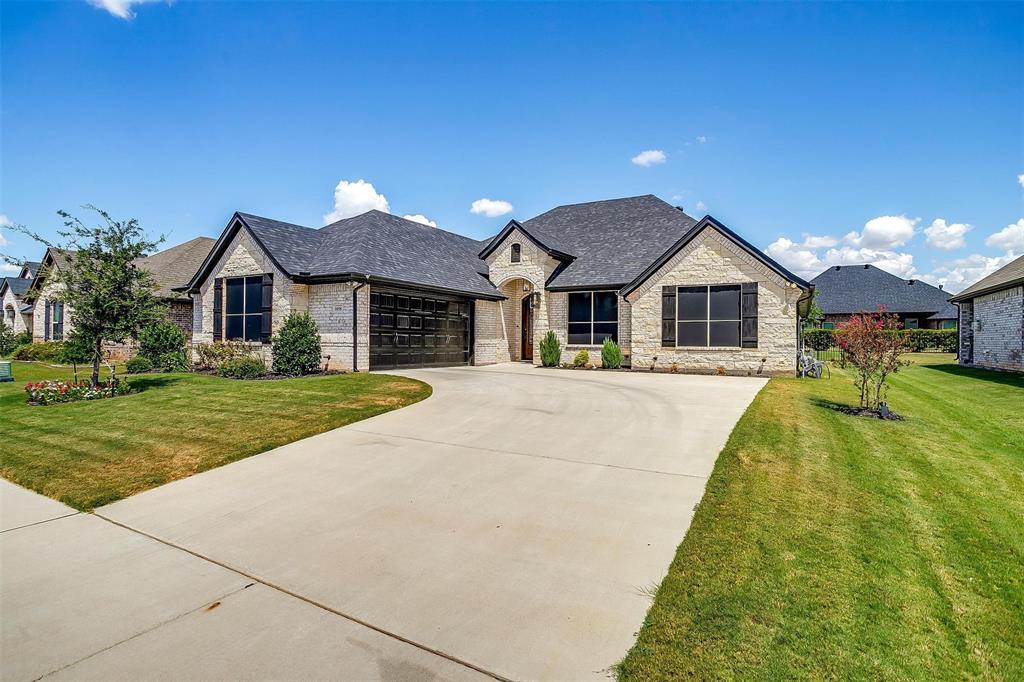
x=974, y=291
x=705, y=222
x=516, y=225
x=48, y=261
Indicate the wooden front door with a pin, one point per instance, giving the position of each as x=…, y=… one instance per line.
x=527, y=326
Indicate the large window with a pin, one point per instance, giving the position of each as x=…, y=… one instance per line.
x=593, y=317
x=709, y=315
x=243, y=308
x=56, y=320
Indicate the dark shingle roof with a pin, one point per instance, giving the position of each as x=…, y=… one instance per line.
x=33, y=268
x=379, y=245
x=613, y=241
x=175, y=266
x=17, y=285
x=1011, y=274
x=847, y=289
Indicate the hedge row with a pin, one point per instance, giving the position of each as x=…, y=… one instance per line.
x=944, y=340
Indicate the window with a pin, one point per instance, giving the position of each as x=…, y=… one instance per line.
x=911, y=323
x=949, y=324
x=517, y=253
x=828, y=325
x=243, y=308
x=593, y=317
x=10, y=314
x=56, y=321
x=708, y=315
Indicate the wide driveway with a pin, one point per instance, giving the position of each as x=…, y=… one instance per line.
x=510, y=525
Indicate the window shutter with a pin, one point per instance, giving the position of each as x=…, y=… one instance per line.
x=668, y=316
x=218, y=309
x=748, y=312
x=46, y=321
x=266, y=309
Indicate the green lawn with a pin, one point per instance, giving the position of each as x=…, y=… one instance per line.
x=90, y=453
x=832, y=546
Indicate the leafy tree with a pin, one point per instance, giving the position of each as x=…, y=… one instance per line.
x=815, y=313
x=77, y=350
x=109, y=296
x=874, y=346
x=296, y=348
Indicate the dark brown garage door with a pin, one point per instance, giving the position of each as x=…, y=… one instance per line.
x=415, y=329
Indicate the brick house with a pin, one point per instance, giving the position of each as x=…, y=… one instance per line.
x=992, y=320
x=17, y=312
x=389, y=293
x=844, y=290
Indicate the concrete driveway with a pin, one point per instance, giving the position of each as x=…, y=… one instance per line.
x=505, y=527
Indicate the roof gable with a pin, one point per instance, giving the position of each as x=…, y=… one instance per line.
x=172, y=268
x=17, y=285
x=1011, y=274
x=847, y=289
x=511, y=227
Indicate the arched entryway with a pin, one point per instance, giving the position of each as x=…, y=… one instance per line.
x=519, y=318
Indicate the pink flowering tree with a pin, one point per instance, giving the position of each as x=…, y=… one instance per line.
x=874, y=345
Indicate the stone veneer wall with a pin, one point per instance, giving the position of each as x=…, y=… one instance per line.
x=998, y=330
x=47, y=292
x=490, y=344
x=712, y=258
x=21, y=322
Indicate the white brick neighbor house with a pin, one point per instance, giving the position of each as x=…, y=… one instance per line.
x=672, y=291
x=17, y=312
x=992, y=320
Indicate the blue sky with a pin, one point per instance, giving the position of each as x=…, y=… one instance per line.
x=825, y=133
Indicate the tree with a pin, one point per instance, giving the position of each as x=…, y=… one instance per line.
x=110, y=297
x=814, y=312
x=874, y=346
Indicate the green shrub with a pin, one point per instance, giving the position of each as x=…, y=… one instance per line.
x=582, y=359
x=550, y=350
x=819, y=339
x=175, y=361
x=918, y=340
x=49, y=351
x=160, y=339
x=213, y=355
x=138, y=365
x=8, y=340
x=296, y=347
x=243, y=368
x=78, y=349
x=611, y=355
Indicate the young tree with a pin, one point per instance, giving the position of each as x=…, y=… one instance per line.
x=110, y=297
x=874, y=346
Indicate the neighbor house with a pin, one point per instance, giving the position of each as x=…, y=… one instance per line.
x=844, y=290
x=992, y=319
x=671, y=290
x=17, y=312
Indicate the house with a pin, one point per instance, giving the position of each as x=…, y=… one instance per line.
x=992, y=320
x=170, y=268
x=844, y=290
x=386, y=292
x=17, y=312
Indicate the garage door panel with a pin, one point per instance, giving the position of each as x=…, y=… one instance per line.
x=416, y=329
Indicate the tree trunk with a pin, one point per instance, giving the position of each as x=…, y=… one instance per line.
x=96, y=357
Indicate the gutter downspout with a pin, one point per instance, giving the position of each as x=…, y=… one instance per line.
x=355, y=326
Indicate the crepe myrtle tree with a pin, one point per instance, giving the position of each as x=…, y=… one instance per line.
x=110, y=297
x=874, y=346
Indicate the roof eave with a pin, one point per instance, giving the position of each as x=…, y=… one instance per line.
x=968, y=295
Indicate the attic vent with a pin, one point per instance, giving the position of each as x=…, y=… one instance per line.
x=911, y=281
x=838, y=267
x=866, y=266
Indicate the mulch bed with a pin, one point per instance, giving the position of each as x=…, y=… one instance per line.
x=866, y=412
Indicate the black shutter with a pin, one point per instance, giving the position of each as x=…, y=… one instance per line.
x=268, y=305
x=748, y=313
x=668, y=316
x=46, y=322
x=218, y=309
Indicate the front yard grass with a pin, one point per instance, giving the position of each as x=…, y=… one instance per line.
x=87, y=454
x=832, y=546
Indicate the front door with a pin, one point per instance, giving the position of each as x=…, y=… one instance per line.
x=527, y=341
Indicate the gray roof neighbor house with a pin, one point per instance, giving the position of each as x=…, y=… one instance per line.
x=849, y=289
x=172, y=268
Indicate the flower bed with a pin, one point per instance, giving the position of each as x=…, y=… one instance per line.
x=52, y=391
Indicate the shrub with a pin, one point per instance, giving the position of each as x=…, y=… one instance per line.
x=138, y=365
x=296, y=347
x=819, y=339
x=243, y=368
x=8, y=340
x=50, y=392
x=550, y=350
x=159, y=339
x=23, y=338
x=49, y=351
x=213, y=355
x=77, y=349
x=918, y=340
x=582, y=359
x=175, y=361
x=611, y=355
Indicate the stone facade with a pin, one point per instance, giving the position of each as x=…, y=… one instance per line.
x=47, y=295
x=11, y=307
x=712, y=258
x=993, y=330
x=490, y=342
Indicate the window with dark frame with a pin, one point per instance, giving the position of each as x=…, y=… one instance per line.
x=243, y=308
x=517, y=252
x=708, y=315
x=57, y=321
x=593, y=317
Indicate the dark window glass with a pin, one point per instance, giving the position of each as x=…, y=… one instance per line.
x=606, y=330
x=725, y=333
x=234, y=327
x=725, y=303
x=606, y=306
x=579, y=306
x=579, y=333
x=692, y=334
x=253, y=323
x=692, y=303
x=517, y=253
x=235, y=296
x=253, y=294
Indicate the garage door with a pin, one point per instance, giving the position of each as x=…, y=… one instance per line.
x=411, y=328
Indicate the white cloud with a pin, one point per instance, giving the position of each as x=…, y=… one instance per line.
x=963, y=272
x=649, y=158
x=795, y=257
x=813, y=242
x=420, y=218
x=946, y=236
x=492, y=208
x=1020, y=179
x=884, y=232
x=353, y=198
x=119, y=8
x=3, y=240
x=9, y=269
x=1009, y=239
x=895, y=262
x=702, y=138
x=701, y=206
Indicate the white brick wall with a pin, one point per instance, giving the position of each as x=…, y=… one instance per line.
x=999, y=330
x=47, y=293
x=489, y=342
x=13, y=303
x=558, y=320
x=331, y=306
x=712, y=258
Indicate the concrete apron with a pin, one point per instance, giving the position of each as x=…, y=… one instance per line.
x=508, y=525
